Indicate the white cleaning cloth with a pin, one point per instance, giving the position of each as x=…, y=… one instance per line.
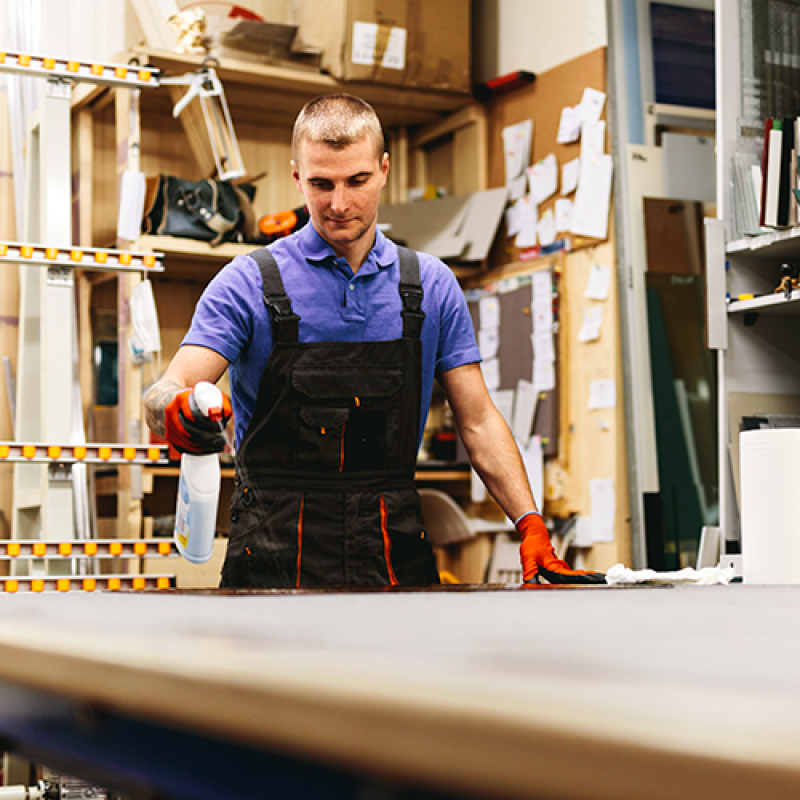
x=707, y=576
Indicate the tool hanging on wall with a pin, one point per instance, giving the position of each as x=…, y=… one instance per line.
x=205, y=85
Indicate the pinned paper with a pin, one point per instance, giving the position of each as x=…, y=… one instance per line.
x=517, y=148
x=527, y=236
x=591, y=105
x=569, y=176
x=524, y=410
x=546, y=228
x=491, y=373
x=543, y=346
x=598, y=283
x=603, y=394
x=542, y=286
x=517, y=187
x=488, y=342
x=543, y=178
x=593, y=138
x=503, y=400
x=592, y=200
x=533, y=458
x=569, y=128
x=603, y=504
x=544, y=375
x=592, y=320
x=542, y=314
x=563, y=214
x=489, y=308
x=513, y=220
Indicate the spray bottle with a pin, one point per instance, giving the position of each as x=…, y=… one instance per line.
x=198, y=488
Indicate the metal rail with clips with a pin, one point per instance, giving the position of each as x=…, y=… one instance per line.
x=90, y=548
x=117, y=75
x=94, y=258
x=88, y=583
x=35, y=452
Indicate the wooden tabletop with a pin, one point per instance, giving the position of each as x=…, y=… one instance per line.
x=595, y=692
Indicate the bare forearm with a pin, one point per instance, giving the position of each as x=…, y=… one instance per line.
x=156, y=399
x=494, y=455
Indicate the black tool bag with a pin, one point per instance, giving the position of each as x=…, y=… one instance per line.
x=208, y=210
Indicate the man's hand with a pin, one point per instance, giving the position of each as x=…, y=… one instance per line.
x=540, y=560
x=189, y=431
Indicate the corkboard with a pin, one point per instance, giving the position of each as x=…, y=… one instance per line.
x=542, y=102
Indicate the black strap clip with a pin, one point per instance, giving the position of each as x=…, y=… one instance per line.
x=280, y=305
x=412, y=297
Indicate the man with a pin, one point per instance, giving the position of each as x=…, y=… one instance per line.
x=332, y=338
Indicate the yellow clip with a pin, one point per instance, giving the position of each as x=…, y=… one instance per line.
x=11, y=586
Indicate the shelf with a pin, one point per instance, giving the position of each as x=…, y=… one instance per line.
x=768, y=304
x=191, y=259
x=779, y=244
x=282, y=92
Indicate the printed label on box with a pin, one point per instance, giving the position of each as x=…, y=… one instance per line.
x=365, y=39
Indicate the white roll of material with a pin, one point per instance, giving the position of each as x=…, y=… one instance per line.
x=769, y=482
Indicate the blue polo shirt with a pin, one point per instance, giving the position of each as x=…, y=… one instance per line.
x=334, y=306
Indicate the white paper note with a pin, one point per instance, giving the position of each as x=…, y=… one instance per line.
x=569, y=128
x=590, y=213
x=503, y=400
x=517, y=187
x=517, y=148
x=591, y=106
x=603, y=394
x=524, y=410
x=489, y=308
x=598, y=283
x=542, y=285
x=569, y=176
x=513, y=222
x=491, y=373
x=603, y=504
x=563, y=214
x=543, y=347
x=533, y=458
x=543, y=178
x=544, y=375
x=488, y=342
x=592, y=320
x=547, y=228
x=593, y=138
x=527, y=223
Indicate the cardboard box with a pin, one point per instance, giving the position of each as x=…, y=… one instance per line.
x=415, y=43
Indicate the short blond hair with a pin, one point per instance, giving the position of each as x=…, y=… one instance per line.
x=337, y=120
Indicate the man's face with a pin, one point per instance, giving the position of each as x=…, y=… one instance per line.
x=342, y=188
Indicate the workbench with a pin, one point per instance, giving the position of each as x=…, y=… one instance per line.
x=550, y=692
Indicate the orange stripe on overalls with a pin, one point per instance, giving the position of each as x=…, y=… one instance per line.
x=387, y=544
x=300, y=538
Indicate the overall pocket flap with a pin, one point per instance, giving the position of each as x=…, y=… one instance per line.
x=328, y=383
x=324, y=417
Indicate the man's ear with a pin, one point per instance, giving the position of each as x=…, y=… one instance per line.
x=385, y=166
x=296, y=175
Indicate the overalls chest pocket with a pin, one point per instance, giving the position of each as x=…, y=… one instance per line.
x=345, y=418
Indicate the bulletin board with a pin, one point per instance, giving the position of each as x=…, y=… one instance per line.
x=542, y=101
x=515, y=352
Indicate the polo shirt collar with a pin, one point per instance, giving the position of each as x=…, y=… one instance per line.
x=317, y=251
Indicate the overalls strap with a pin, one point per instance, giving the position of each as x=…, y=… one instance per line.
x=410, y=292
x=284, y=320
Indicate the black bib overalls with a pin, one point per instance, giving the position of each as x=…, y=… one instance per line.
x=325, y=492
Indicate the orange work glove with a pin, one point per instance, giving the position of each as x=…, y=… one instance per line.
x=540, y=560
x=188, y=430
